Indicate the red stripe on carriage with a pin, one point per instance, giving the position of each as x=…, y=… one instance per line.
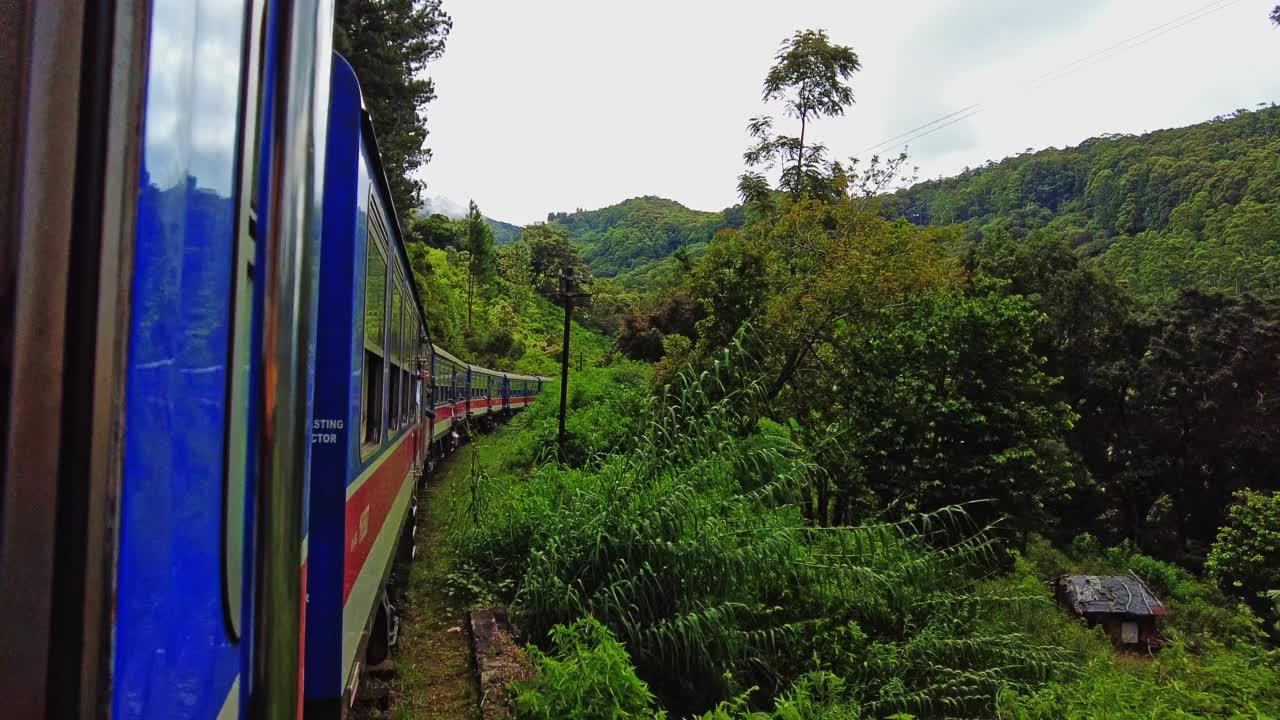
x=368, y=508
x=302, y=642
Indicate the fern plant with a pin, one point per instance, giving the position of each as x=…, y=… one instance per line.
x=691, y=548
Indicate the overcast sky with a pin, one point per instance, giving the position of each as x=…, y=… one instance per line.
x=563, y=104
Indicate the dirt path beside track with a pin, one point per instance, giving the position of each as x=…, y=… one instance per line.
x=432, y=678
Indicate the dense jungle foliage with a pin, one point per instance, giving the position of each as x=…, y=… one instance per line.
x=669, y=570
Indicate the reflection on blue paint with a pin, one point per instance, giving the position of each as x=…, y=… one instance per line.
x=173, y=658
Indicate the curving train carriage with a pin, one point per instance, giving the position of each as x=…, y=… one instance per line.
x=376, y=422
x=221, y=397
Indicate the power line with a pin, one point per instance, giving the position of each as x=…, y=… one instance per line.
x=1129, y=43
x=913, y=138
x=1081, y=62
x=921, y=127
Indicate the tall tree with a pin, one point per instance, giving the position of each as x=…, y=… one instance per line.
x=1207, y=406
x=811, y=78
x=481, y=254
x=551, y=253
x=390, y=43
x=946, y=400
x=1092, y=339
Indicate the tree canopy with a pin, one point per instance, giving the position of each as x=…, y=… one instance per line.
x=810, y=76
x=389, y=43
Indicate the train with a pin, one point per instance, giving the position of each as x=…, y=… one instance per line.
x=222, y=397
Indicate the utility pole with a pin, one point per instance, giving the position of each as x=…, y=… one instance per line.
x=568, y=293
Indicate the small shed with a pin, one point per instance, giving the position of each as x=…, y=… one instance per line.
x=1121, y=604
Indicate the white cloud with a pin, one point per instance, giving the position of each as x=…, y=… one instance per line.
x=582, y=103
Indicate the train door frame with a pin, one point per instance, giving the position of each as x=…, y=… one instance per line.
x=77, y=72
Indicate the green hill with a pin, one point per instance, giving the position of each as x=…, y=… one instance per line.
x=1195, y=206
x=503, y=233
x=634, y=240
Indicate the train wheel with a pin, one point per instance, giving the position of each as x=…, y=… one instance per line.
x=407, y=548
x=383, y=636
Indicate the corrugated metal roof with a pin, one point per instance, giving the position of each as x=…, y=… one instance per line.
x=1122, y=594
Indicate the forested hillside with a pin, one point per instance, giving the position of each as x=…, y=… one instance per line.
x=633, y=240
x=1192, y=207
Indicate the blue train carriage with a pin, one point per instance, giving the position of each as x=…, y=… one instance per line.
x=157, y=373
x=448, y=392
x=485, y=398
x=370, y=429
x=516, y=391
x=524, y=390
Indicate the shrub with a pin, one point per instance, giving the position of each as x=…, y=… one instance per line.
x=1085, y=547
x=816, y=695
x=1245, y=558
x=587, y=676
x=605, y=411
x=1200, y=614
x=1175, y=685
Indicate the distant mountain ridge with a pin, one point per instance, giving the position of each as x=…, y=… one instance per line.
x=504, y=232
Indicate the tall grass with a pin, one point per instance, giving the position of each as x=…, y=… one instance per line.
x=689, y=546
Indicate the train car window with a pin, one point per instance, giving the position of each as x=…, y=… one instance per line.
x=435, y=380
x=411, y=367
x=236, y=466
x=442, y=384
x=393, y=352
x=406, y=391
x=375, y=298
x=444, y=378
x=406, y=362
x=416, y=368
